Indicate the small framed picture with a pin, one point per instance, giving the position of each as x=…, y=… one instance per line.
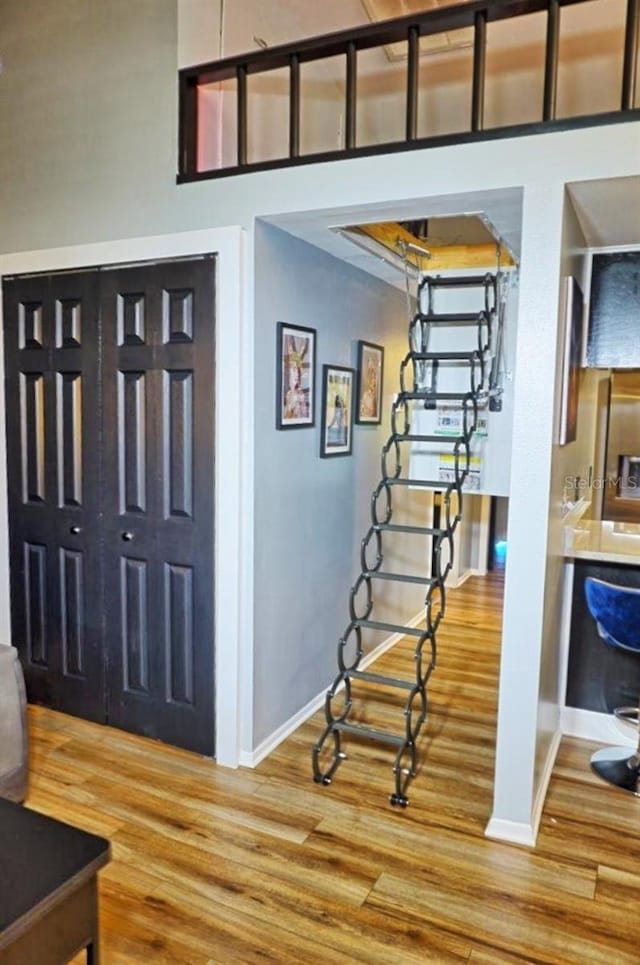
x=369, y=391
x=295, y=376
x=337, y=411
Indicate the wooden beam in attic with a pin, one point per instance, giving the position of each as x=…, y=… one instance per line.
x=442, y=257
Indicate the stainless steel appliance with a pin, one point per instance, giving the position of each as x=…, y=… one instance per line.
x=622, y=490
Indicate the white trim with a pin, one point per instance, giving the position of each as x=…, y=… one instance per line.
x=472, y=571
x=269, y=744
x=564, y=631
x=516, y=832
x=519, y=832
x=593, y=726
x=232, y=440
x=484, y=527
x=253, y=758
x=5, y=585
x=543, y=783
x=246, y=485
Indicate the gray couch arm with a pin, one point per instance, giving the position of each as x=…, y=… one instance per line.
x=13, y=727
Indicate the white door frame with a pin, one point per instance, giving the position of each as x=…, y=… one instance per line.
x=233, y=442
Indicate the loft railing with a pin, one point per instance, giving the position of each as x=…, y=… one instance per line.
x=193, y=81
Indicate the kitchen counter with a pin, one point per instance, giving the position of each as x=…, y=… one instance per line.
x=603, y=540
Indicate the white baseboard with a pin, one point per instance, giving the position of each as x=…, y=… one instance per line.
x=515, y=832
x=543, y=785
x=593, y=726
x=269, y=744
x=521, y=832
x=457, y=583
x=253, y=758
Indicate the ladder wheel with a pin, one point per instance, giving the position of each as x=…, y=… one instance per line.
x=398, y=800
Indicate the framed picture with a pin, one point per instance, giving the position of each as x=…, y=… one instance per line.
x=369, y=392
x=295, y=376
x=571, y=319
x=337, y=411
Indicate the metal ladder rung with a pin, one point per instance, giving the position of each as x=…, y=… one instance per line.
x=453, y=318
x=370, y=732
x=455, y=396
x=398, y=577
x=446, y=356
x=425, y=396
x=413, y=437
x=378, y=678
x=424, y=483
x=400, y=528
x=463, y=281
x=388, y=628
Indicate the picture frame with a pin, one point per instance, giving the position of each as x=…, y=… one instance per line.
x=295, y=376
x=338, y=395
x=369, y=387
x=572, y=311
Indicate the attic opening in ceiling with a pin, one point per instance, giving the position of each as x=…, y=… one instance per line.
x=433, y=244
x=389, y=9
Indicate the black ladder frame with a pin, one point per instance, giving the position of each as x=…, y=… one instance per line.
x=416, y=391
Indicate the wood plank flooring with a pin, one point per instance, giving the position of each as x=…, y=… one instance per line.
x=216, y=866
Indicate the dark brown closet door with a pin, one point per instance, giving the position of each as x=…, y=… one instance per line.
x=110, y=426
x=158, y=378
x=53, y=448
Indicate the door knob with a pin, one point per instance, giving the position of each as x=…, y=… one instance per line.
x=127, y=537
x=75, y=530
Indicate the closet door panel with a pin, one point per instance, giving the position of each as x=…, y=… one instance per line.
x=158, y=378
x=53, y=440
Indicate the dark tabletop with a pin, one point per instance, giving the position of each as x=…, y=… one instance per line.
x=38, y=857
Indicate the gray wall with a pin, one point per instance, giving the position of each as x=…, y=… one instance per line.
x=88, y=123
x=311, y=513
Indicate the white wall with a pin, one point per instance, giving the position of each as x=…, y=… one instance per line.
x=539, y=478
x=572, y=459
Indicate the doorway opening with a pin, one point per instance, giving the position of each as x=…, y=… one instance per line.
x=351, y=294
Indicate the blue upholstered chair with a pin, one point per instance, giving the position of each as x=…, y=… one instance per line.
x=616, y=610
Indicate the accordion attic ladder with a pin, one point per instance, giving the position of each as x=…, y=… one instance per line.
x=418, y=388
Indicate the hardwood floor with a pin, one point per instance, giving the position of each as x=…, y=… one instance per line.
x=216, y=866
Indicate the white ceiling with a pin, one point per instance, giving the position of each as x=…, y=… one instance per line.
x=608, y=211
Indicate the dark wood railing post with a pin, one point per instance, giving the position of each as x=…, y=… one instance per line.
x=188, y=134
x=351, y=96
x=413, y=53
x=294, y=106
x=479, y=64
x=551, y=62
x=241, y=75
x=630, y=55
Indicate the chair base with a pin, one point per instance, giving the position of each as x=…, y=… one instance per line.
x=616, y=766
x=628, y=714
